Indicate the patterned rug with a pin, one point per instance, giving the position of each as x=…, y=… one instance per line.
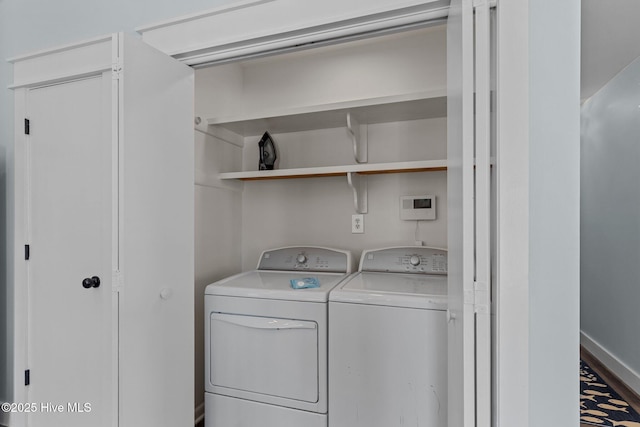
x=600, y=405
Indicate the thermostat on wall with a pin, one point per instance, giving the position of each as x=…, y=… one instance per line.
x=413, y=208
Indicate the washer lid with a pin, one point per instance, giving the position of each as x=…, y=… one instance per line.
x=275, y=285
x=395, y=290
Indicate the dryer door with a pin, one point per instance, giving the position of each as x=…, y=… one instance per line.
x=265, y=356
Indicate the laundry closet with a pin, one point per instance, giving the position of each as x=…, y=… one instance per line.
x=358, y=99
x=356, y=126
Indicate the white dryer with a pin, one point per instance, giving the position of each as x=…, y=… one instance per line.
x=266, y=342
x=388, y=341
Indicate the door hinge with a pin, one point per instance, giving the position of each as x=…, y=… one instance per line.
x=116, y=69
x=27, y=377
x=27, y=127
x=117, y=281
x=481, y=297
x=27, y=252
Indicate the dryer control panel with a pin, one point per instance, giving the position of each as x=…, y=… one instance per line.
x=410, y=259
x=306, y=258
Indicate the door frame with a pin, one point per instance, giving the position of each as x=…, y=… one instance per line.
x=193, y=40
x=89, y=58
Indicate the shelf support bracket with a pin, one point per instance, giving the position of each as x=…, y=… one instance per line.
x=358, y=183
x=359, y=138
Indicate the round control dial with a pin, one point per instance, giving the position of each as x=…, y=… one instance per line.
x=414, y=260
x=302, y=258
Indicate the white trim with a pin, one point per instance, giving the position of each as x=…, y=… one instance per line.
x=62, y=78
x=64, y=63
x=199, y=413
x=19, y=263
x=461, y=226
x=307, y=36
x=511, y=301
x=60, y=48
x=198, y=15
x=206, y=37
x=116, y=229
x=628, y=376
x=482, y=201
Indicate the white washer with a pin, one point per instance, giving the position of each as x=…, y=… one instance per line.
x=388, y=341
x=266, y=343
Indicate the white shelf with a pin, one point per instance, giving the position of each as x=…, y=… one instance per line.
x=413, y=106
x=365, y=169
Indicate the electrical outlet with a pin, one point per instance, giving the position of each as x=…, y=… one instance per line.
x=357, y=223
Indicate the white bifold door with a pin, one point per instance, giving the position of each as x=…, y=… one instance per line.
x=104, y=237
x=469, y=186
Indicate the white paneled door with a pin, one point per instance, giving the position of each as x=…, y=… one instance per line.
x=105, y=213
x=68, y=173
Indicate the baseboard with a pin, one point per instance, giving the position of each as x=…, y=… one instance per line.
x=199, y=413
x=4, y=419
x=622, y=371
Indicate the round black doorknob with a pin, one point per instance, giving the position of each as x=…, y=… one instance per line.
x=96, y=281
x=92, y=282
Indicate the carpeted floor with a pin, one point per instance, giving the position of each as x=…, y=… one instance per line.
x=601, y=405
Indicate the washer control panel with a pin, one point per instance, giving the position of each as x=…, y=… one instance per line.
x=306, y=258
x=410, y=259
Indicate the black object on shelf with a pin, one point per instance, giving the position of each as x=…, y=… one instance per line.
x=268, y=153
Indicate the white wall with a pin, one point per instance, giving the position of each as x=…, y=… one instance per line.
x=317, y=211
x=33, y=25
x=554, y=217
x=610, y=34
x=217, y=252
x=538, y=212
x=554, y=210
x=610, y=222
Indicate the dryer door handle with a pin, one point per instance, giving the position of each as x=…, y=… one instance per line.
x=262, y=322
